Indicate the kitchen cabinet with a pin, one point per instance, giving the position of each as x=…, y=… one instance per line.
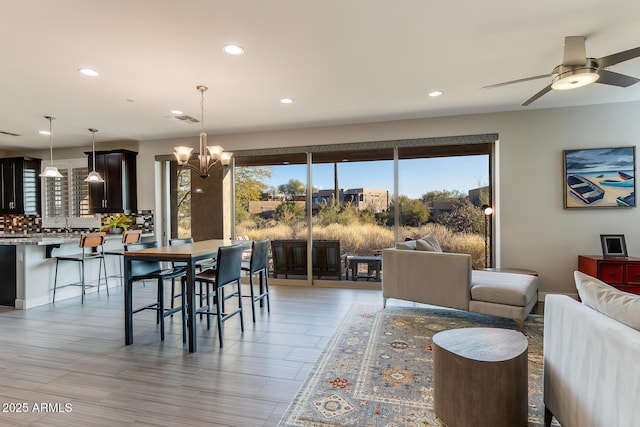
x=20, y=185
x=118, y=192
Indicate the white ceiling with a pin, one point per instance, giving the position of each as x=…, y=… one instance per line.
x=342, y=61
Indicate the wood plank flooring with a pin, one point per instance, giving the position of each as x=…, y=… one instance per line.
x=67, y=365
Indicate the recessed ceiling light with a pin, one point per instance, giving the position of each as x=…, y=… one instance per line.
x=176, y=112
x=44, y=132
x=89, y=72
x=233, y=49
x=435, y=93
x=286, y=100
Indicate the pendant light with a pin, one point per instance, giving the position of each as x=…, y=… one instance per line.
x=50, y=171
x=209, y=156
x=93, y=175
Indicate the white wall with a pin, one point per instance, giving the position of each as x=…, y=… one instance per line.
x=535, y=231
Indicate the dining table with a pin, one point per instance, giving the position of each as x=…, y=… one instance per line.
x=188, y=255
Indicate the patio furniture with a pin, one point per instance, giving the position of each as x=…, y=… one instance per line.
x=290, y=258
x=373, y=262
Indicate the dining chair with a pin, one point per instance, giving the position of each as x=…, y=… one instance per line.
x=226, y=273
x=152, y=270
x=129, y=236
x=92, y=249
x=200, y=265
x=258, y=264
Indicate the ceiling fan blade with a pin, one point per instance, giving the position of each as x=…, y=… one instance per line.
x=517, y=81
x=575, y=52
x=615, y=79
x=536, y=96
x=616, y=58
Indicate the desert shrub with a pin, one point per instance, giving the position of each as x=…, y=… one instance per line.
x=364, y=239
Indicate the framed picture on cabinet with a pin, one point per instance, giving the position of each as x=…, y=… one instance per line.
x=613, y=246
x=599, y=178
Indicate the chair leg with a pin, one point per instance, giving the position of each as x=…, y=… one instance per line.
x=106, y=277
x=240, y=306
x=82, y=276
x=183, y=300
x=265, y=275
x=55, y=282
x=161, y=306
x=253, y=298
x=219, y=316
x=173, y=292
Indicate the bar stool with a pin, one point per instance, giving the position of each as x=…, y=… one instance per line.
x=94, y=243
x=129, y=236
x=258, y=264
x=226, y=273
x=145, y=270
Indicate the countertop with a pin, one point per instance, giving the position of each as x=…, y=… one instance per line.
x=43, y=239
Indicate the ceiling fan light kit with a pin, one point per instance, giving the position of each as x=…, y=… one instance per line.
x=568, y=77
x=577, y=70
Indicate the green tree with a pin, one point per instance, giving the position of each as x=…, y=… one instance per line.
x=292, y=188
x=465, y=218
x=249, y=186
x=289, y=212
x=413, y=212
x=442, y=196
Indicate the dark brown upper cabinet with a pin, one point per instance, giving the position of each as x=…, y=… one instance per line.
x=118, y=192
x=20, y=186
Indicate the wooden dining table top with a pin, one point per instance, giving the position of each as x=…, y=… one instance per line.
x=187, y=250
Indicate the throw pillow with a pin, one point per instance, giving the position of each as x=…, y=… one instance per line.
x=431, y=239
x=408, y=245
x=422, y=245
x=621, y=306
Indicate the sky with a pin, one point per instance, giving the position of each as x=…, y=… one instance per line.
x=417, y=176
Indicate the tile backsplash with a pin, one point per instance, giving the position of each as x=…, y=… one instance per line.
x=27, y=224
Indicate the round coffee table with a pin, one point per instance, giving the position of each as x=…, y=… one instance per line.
x=480, y=377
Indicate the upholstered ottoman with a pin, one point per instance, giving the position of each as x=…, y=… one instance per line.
x=501, y=294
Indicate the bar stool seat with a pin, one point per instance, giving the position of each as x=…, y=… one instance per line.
x=92, y=242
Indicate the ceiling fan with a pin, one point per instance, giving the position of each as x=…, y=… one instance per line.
x=577, y=70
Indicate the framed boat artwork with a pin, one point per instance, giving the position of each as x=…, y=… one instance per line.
x=600, y=178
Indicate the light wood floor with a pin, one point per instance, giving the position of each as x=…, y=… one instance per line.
x=74, y=354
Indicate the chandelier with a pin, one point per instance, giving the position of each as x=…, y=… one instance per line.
x=208, y=156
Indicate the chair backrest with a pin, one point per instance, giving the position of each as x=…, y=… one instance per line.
x=92, y=240
x=259, y=255
x=131, y=236
x=178, y=242
x=229, y=265
x=142, y=268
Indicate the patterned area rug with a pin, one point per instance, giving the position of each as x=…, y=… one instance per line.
x=377, y=369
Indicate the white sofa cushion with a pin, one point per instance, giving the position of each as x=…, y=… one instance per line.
x=621, y=306
x=503, y=288
x=408, y=245
x=422, y=245
x=433, y=242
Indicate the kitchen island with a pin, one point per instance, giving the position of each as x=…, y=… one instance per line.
x=27, y=267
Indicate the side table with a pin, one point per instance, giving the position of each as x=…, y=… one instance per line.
x=480, y=377
x=373, y=262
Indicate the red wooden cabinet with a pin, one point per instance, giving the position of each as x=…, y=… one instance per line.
x=621, y=273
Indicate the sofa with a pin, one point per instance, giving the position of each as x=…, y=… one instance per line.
x=591, y=361
x=447, y=280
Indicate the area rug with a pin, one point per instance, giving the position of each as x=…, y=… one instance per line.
x=377, y=369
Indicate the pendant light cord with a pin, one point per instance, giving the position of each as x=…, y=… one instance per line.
x=50, y=140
